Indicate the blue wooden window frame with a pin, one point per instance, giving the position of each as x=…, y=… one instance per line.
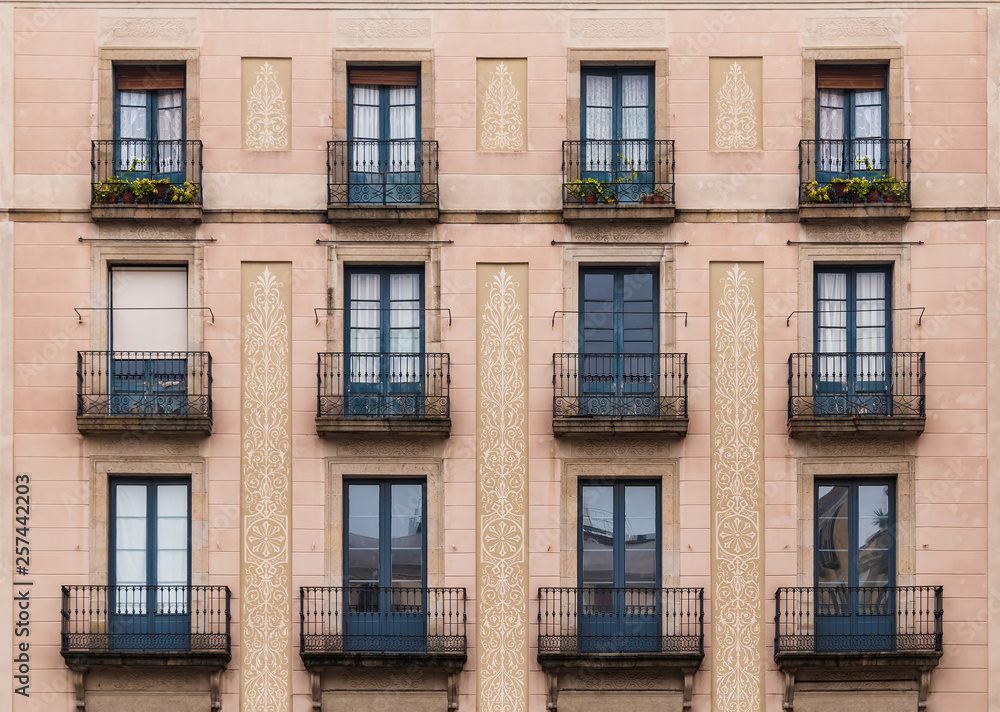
x=846, y=385
x=849, y=619
x=828, y=157
x=627, y=617
x=366, y=395
x=383, y=619
x=383, y=182
x=152, y=160
x=142, y=623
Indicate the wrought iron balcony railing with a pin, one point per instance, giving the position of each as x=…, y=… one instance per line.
x=116, y=164
x=145, y=619
x=383, y=385
x=618, y=171
x=395, y=173
x=867, y=619
x=144, y=383
x=619, y=385
x=374, y=619
x=851, y=385
x=621, y=620
x=883, y=162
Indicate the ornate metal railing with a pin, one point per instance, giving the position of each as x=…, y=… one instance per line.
x=621, y=620
x=145, y=618
x=144, y=383
x=397, y=172
x=633, y=171
x=858, y=619
x=849, y=385
x=373, y=619
x=619, y=385
x=116, y=164
x=885, y=162
x=383, y=385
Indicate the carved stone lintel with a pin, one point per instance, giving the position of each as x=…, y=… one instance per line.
x=688, y=688
x=789, y=697
x=552, y=701
x=452, y=691
x=79, y=686
x=215, y=688
x=317, y=690
x=924, y=677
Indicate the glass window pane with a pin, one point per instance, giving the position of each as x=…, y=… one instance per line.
x=172, y=500
x=832, y=535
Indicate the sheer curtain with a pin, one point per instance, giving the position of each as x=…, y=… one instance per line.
x=169, y=131
x=365, y=327
x=868, y=129
x=404, y=327
x=599, y=113
x=133, y=124
x=635, y=122
x=832, y=327
x=870, y=329
x=831, y=126
x=402, y=129
x=366, y=129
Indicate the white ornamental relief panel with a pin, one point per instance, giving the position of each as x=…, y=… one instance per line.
x=850, y=30
x=267, y=113
x=382, y=32
x=147, y=31
x=501, y=104
x=735, y=107
x=618, y=31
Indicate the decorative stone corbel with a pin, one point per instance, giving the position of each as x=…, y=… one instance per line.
x=452, y=691
x=79, y=686
x=788, y=701
x=215, y=687
x=317, y=690
x=924, y=678
x=552, y=703
x=688, y=688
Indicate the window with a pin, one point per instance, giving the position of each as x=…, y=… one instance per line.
x=853, y=121
x=617, y=128
x=384, y=131
x=148, y=349
x=384, y=324
x=855, y=563
x=619, y=341
x=150, y=563
x=619, y=567
x=149, y=122
x=852, y=340
x=385, y=565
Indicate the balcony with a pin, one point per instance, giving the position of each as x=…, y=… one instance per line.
x=892, y=635
x=140, y=179
x=845, y=393
x=144, y=391
x=371, y=626
x=146, y=625
x=620, y=179
x=582, y=631
x=382, y=180
x=619, y=394
x=383, y=393
x=854, y=179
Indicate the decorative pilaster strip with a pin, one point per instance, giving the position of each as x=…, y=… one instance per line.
x=266, y=475
x=502, y=469
x=736, y=296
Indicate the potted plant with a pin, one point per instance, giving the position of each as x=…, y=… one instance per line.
x=186, y=193
x=591, y=190
x=657, y=196
x=144, y=189
x=162, y=187
x=890, y=190
x=839, y=187
x=813, y=192
x=110, y=190
x=857, y=189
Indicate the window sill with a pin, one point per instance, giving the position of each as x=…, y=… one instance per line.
x=447, y=661
x=430, y=426
x=616, y=212
x=167, y=213
x=118, y=424
x=818, y=212
x=87, y=659
x=804, y=426
x=389, y=213
x=675, y=427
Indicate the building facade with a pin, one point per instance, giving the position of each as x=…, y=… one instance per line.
x=500, y=357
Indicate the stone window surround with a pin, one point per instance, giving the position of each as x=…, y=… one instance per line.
x=901, y=467
x=616, y=255
x=431, y=470
x=103, y=467
x=663, y=469
x=891, y=56
x=105, y=256
x=898, y=256
x=342, y=58
x=658, y=58
x=108, y=58
x=385, y=255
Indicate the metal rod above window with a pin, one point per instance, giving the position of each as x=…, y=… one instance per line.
x=79, y=316
x=317, y=310
x=788, y=321
x=570, y=311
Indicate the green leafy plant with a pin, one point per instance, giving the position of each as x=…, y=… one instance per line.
x=599, y=191
x=890, y=189
x=144, y=189
x=186, y=193
x=857, y=189
x=110, y=190
x=813, y=192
